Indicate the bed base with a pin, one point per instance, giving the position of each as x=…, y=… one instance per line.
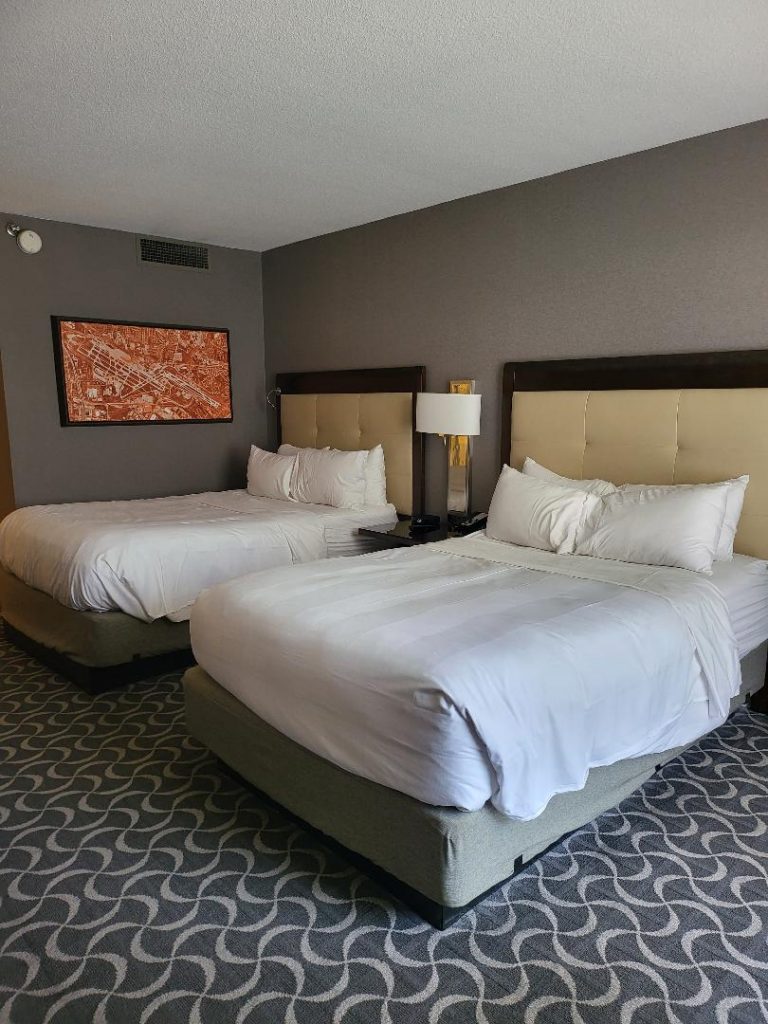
x=96, y=679
x=439, y=861
x=434, y=913
x=96, y=650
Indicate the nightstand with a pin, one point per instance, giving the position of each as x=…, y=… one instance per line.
x=400, y=536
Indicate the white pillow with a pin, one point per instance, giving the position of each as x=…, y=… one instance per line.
x=599, y=487
x=269, y=475
x=328, y=477
x=375, y=473
x=680, y=527
x=375, y=477
x=733, y=506
x=537, y=513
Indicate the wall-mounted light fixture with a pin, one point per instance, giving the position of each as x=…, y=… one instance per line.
x=27, y=240
x=272, y=397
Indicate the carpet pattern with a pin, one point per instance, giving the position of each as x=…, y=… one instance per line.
x=140, y=883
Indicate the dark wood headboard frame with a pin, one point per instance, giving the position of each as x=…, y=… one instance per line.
x=746, y=368
x=386, y=379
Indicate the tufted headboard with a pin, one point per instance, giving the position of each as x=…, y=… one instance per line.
x=354, y=409
x=647, y=419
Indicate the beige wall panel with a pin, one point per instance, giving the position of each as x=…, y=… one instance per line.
x=751, y=536
x=548, y=426
x=624, y=464
x=726, y=418
x=298, y=418
x=565, y=458
x=647, y=418
x=338, y=414
x=386, y=413
x=558, y=415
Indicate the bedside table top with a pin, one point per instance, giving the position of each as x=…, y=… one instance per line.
x=400, y=535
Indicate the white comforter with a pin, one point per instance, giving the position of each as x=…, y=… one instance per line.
x=152, y=557
x=474, y=670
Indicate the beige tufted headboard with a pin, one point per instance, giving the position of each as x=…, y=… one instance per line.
x=656, y=419
x=355, y=409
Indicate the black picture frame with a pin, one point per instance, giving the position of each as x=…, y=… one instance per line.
x=61, y=386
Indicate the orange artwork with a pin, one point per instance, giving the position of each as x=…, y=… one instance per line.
x=112, y=372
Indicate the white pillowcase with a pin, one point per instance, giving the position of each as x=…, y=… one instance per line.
x=680, y=527
x=733, y=506
x=375, y=477
x=269, y=475
x=599, y=487
x=537, y=513
x=375, y=473
x=328, y=477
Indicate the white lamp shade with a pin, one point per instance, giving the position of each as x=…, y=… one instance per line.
x=448, y=413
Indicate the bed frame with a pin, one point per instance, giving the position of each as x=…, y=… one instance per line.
x=345, y=409
x=658, y=419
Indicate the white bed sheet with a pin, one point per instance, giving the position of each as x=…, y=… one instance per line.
x=472, y=670
x=744, y=585
x=152, y=557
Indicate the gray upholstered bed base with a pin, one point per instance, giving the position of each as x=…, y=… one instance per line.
x=443, y=859
x=95, y=649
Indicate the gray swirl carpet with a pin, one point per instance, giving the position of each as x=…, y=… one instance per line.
x=139, y=883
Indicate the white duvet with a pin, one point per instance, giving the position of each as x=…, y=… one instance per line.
x=152, y=557
x=473, y=670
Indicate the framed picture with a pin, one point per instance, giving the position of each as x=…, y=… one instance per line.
x=112, y=372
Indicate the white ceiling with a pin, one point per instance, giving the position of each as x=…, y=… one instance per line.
x=253, y=123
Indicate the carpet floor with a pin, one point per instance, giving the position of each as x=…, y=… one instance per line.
x=141, y=883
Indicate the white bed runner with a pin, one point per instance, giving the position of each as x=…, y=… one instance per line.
x=472, y=670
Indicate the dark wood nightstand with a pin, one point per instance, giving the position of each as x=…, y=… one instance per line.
x=400, y=536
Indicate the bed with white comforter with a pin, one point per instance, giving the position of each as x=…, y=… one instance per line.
x=151, y=557
x=473, y=670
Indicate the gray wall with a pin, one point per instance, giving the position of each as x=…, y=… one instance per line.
x=661, y=251
x=91, y=272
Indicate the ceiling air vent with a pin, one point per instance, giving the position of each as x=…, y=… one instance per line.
x=173, y=254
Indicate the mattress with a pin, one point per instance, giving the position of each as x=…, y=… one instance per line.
x=151, y=558
x=471, y=671
x=744, y=585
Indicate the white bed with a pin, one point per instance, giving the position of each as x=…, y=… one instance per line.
x=151, y=558
x=101, y=591
x=474, y=671
x=516, y=690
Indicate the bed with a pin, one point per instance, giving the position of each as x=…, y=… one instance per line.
x=428, y=797
x=101, y=591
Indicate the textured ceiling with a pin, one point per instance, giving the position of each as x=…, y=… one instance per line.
x=258, y=122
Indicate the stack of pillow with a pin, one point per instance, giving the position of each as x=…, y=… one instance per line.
x=683, y=525
x=319, y=476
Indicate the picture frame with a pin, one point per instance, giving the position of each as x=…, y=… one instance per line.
x=134, y=373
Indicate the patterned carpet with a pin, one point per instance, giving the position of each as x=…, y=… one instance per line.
x=139, y=883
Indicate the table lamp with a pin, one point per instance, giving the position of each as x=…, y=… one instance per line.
x=456, y=417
